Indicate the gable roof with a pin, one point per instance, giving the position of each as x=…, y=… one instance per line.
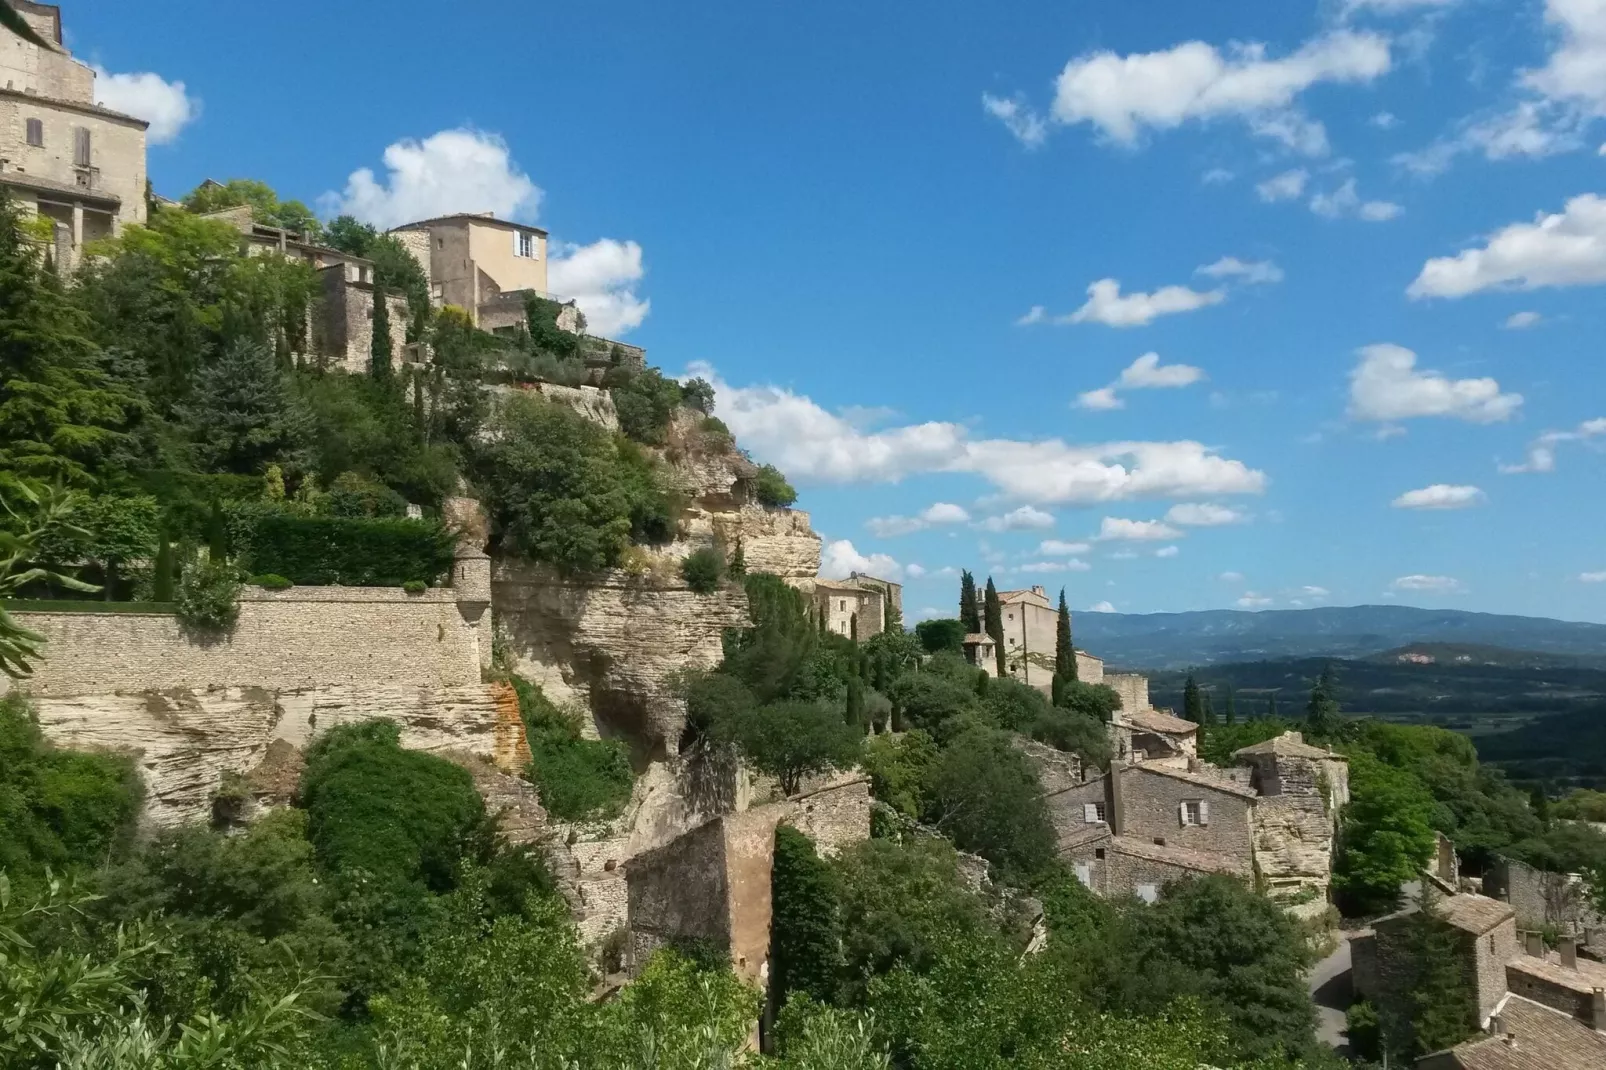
x=1583, y=979
x=1288, y=745
x=1200, y=861
x=1476, y=914
x=471, y=217
x=1540, y=1039
x=1203, y=780
x=1152, y=720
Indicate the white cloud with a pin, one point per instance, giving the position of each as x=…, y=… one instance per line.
x=1385, y=386
x=932, y=516
x=1393, y=7
x=1122, y=96
x=1025, y=518
x=1217, y=176
x=1060, y=548
x=1101, y=607
x=602, y=278
x=1114, y=527
x=1252, y=271
x=1592, y=577
x=1576, y=71
x=1101, y=400
x=1542, y=450
x=1344, y=201
x=1521, y=320
x=1385, y=120
x=1563, y=249
x=1311, y=591
x=451, y=171
x=1107, y=305
x=809, y=443
x=1231, y=577
x=1284, y=187
x=1203, y=515
x=1529, y=128
x=1441, y=496
x=1029, y=128
x=1167, y=551
x=838, y=559
x=1036, y=314
x=1147, y=373
x=914, y=571
x=1429, y=584
x=1251, y=600
x=1072, y=565
x=167, y=106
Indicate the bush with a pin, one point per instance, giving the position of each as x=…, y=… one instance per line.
x=579, y=779
x=208, y=597
x=771, y=488
x=415, y=586
x=942, y=633
x=791, y=740
x=645, y=401
x=359, y=552
x=715, y=434
x=985, y=795
x=351, y=495
x=703, y=569
x=271, y=581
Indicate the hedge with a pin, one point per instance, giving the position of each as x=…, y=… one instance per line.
x=355, y=551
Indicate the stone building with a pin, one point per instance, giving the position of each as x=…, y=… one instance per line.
x=1300, y=790
x=1144, y=734
x=1543, y=899
x=1487, y=931
x=1524, y=1035
x=342, y=326
x=62, y=155
x=857, y=605
x=480, y=263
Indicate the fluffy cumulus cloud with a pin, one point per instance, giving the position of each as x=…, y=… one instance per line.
x=1567, y=248
x=1429, y=584
x=1204, y=515
x=1026, y=518
x=1145, y=373
x=1029, y=128
x=1107, y=305
x=1168, y=551
x=1113, y=528
x=1125, y=96
x=1344, y=202
x=1441, y=496
x=1060, y=548
x=838, y=560
x=1575, y=73
x=1101, y=607
x=1386, y=385
x=602, y=278
x=933, y=515
x=1250, y=271
x=1520, y=321
x=1286, y=186
x=1541, y=455
x=167, y=106
x=450, y=171
x=808, y=443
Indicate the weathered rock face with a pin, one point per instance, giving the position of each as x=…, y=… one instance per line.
x=1293, y=841
x=184, y=740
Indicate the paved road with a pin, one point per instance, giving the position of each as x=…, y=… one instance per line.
x=1330, y=989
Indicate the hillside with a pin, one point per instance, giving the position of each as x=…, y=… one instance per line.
x=1208, y=637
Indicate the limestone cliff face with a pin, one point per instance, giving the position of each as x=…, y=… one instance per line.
x=1293, y=842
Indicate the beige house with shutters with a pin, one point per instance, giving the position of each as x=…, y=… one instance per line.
x=63, y=156
x=480, y=263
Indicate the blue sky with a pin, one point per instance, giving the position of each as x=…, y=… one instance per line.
x=926, y=254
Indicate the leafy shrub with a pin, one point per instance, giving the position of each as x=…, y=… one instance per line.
x=354, y=496
x=941, y=633
x=271, y=581
x=698, y=394
x=985, y=795
x=208, y=597
x=415, y=586
x=804, y=942
x=645, y=401
x=715, y=434
x=579, y=779
x=359, y=552
x=703, y=569
x=771, y=488
x=401, y=816
x=791, y=740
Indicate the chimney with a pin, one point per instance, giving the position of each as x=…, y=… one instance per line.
x=1496, y=1024
x=1195, y=766
x=1115, y=791
x=1536, y=945
x=1569, y=951
x=1511, y=1040
x=1597, y=1008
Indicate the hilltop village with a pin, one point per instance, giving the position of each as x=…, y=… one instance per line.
x=325, y=525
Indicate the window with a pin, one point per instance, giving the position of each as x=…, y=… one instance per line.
x=842, y=604
x=1093, y=813
x=1159, y=841
x=80, y=147
x=36, y=133
x=524, y=244
x=1194, y=812
x=1098, y=853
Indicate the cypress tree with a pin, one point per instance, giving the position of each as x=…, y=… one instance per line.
x=162, y=580
x=805, y=953
x=1192, y=703
x=1207, y=716
x=1271, y=706
x=1440, y=999
x=967, y=603
x=853, y=627
x=993, y=620
x=1232, y=708
x=217, y=534
x=1321, y=714
x=1064, y=652
x=379, y=350
x=738, y=561
x=855, y=713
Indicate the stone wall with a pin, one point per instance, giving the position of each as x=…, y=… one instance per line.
x=1089, y=669
x=344, y=332
x=1067, y=808
x=1542, y=899
x=301, y=637
x=1056, y=769
x=1133, y=689
x=679, y=891
x=1293, y=843
x=1151, y=809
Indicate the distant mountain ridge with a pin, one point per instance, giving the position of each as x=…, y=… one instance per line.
x=1212, y=636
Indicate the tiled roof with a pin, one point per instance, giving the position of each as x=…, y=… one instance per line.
x=977, y=637
x=1084, y=836
x=1476, y=914
x=1540, y=1039
x=1155, y=721
x=1204, y=780
x=472, y=217
x=1289, y=744
x=1202, y=861
x=1585, y=979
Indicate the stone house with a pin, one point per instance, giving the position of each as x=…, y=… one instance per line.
x=1524, y=1035
x=1300, y=791
x=891, y=592
x=1143, y=734
x=62, y=155
x=342, y=326
x=854, y=606
x=481, y=264
x=1487, y=938
x=1543, y=899
x=1029, y=623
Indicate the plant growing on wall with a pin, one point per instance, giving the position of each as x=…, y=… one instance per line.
x=703, y=570
x=30, y=513
x=208, y=598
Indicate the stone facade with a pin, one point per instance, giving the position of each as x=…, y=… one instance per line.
x=1302, y=789
x=1561, y=981
x=62, y=155
x=1541, y=899
x=344, y=330
x=1488, y=941
x=1187, y=810
x=475, y=259
x=849, y=607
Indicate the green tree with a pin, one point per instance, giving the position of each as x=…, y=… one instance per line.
x=790, y=740
x=1192, y=701
x=1231, y=713
x=986, y=797
x=1386, y=836
x=31, y=518
x=900, y=766
x=1097, y=701
x=380, y=359
x=771, y=488
x=1440, y=1002
x=993, y=620
x=62, y=419
x=969, y=608
x=1064, y=652
x=242, y=417
x=266, y=207
x=1271, y=706
x=936, y=703
x=703, y=570
x=1208, y=714
x=855, y=711
x=939, y=634
x=805, y=952
x=1322, y=718
x=770, y=657
x=122, y=530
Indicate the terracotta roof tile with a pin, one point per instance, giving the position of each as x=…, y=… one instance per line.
x=1541, y=1039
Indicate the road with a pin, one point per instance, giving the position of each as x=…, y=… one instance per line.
x=1330, y=989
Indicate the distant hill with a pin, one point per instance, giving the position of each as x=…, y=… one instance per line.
x=1208, y=637
x=1566, y=748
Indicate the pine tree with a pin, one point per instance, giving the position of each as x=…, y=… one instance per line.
x=242, y=416
x=1231, y=713
x=993, y=620
x=1207, y=716
x=853, y=627
x=1192, y=704
x=1322, y=713
x=1064, y=652
x=855, y=712
x=967, y=603
x=380, y=354
x=1440, y=998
